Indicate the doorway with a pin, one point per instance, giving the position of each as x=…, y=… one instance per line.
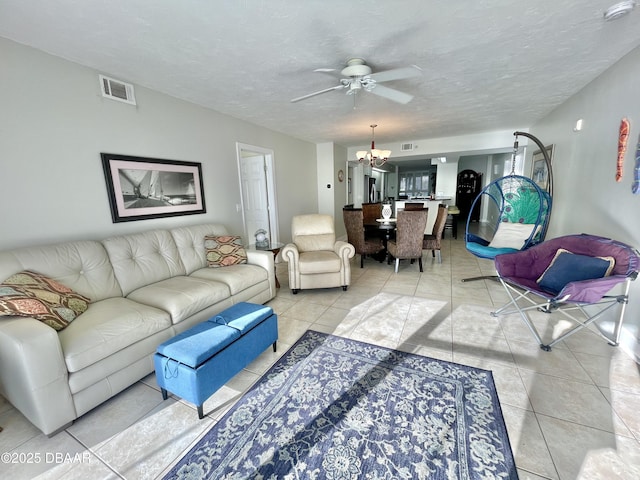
x=257, y=191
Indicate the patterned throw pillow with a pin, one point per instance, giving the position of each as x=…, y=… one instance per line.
x=30, y=294
x=224, y=250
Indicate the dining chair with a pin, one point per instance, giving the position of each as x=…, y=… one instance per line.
x=371, y=212
x=409, y=236
x=353, y=222
x=414, y=205
x=433, y=240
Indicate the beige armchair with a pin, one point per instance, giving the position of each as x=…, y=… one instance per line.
x=315, y=258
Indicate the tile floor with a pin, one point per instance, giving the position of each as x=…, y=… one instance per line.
x=570, y=413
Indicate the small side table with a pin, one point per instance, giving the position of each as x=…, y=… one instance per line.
x=273, y=247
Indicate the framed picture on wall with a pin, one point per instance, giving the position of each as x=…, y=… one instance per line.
x=539, y=170
x=141, y=188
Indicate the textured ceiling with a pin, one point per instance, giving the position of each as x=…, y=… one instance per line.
x=487, y=64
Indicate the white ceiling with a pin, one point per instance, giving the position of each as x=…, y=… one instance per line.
x=487, y=64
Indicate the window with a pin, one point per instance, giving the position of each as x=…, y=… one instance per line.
x=415, y=184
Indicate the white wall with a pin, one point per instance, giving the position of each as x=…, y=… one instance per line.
x=447, y=179
x=586, y=196
x=324, y=153
x=332, y=194
x=55, y=123
x=339, y=188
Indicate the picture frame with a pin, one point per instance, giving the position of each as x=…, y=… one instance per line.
x=141, y=188
x=539, y=169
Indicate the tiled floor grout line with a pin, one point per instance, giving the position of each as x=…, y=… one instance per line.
x=94, y=453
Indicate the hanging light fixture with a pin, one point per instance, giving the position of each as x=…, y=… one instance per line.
x=619, y=9
x=375, y=157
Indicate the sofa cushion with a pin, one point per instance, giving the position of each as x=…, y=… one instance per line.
x=82, y=266
x=143, y=258
x=319, y=262
x=313, y=232
x=512, y=235
x=107, y=327
x=224, y=251
x=30, y=294
x=236, y=277
x=181, y=296
x=190, y=243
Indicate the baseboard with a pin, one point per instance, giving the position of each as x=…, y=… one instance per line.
x=629, y=343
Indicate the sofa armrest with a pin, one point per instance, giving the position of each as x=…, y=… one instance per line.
x=33, y=374
x=264, y=259
x=344, y=250
x=291, y=255
x=261, y=258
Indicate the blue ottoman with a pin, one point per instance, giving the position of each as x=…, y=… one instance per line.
x=197, y=362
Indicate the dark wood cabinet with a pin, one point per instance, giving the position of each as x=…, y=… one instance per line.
x=468, y=187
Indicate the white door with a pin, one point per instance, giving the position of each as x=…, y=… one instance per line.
x=257, y=191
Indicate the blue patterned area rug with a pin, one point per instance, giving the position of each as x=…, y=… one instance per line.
x=334, y=408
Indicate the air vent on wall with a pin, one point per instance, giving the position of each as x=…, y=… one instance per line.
x=117, y=90
x=406, y=147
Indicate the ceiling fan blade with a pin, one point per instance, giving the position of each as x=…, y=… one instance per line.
x=304, y=97
x=397, y=74
x=391, y=94
x=332, y=72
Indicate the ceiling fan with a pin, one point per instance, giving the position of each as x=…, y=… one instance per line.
x=357, y=76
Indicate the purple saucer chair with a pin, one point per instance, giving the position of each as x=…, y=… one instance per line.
x=569, y=274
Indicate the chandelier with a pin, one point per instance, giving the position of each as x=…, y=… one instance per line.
x=375, y=158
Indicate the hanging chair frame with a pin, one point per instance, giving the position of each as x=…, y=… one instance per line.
x=496, y=192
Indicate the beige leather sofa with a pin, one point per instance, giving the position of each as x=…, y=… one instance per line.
x=144, y=289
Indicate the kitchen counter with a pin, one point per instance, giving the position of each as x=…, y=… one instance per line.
x=432, y=205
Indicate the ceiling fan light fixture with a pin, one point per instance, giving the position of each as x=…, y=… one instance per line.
x=357, y=76
x=619, y=9
x=374, y=157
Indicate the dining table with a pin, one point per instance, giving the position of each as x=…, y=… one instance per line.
x=384, y=228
